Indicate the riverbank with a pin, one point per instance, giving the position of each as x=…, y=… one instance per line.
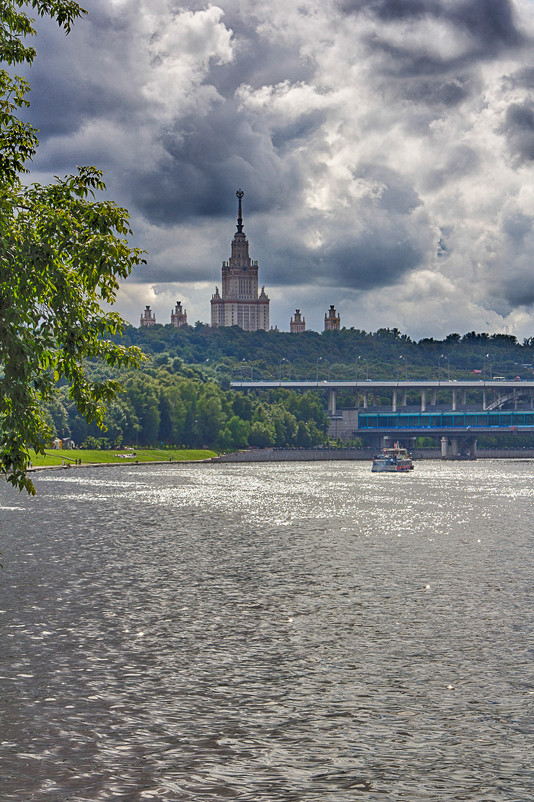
x=93, y=459
x=357, y=454
x=80, y=458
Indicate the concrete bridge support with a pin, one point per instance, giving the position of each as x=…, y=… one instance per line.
x=457, y=447
x=332, y=402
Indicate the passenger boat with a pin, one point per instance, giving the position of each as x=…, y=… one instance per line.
x=391, y=460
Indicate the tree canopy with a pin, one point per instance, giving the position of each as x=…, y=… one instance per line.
x=62, y=254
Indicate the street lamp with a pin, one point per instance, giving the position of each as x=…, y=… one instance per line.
x=280, y=374
x=442, y=356
x=317, y=368
x=405, y=367
x=490, y=358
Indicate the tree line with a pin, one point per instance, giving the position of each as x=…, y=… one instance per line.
x=230, y=354
x=175, y=405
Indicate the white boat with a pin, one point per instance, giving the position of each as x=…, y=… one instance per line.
x=392, y=460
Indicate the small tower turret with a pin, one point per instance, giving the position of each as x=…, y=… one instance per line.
x=332, y=321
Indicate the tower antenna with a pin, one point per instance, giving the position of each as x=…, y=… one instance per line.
x=239, y=194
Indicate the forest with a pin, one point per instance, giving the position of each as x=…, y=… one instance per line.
x=181, y=394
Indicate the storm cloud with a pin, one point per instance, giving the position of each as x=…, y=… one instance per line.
x=385, y=147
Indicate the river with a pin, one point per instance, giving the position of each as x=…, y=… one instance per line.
x=302, y=632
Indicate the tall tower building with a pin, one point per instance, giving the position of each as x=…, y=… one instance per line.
x=239, y=304
x=331, y=320
x=148, y=318
x=297, y=323
x=179, y=316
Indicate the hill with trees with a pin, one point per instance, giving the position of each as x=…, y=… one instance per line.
x=347, y=354
x=181, y=395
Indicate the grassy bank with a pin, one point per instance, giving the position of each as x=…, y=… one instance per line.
x=52, y=458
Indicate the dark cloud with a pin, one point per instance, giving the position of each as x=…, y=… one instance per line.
x=379, y=256
x=203, y=158
x=458, y=162
x=489, y=24
x=392, y=9
x=448, y=93
x=295, y=132
x=519, y=130
x=396, y=195
x=519, y=291
x=517, y=227
x=378, y=259
x=259, y=63
x=523, y=79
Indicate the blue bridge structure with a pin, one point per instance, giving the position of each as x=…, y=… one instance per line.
x=454, y=412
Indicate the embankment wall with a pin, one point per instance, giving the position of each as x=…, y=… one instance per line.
x=315, y=455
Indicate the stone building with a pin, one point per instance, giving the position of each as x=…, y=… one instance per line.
x=297, y=323
x=179, y=316
x=148, y=318
x=332, y=321
x=238, y=303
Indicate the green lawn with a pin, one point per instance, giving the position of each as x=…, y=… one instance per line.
x=141, y=455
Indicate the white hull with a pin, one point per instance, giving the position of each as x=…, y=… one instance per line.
x=392, y=460
x=379, y=467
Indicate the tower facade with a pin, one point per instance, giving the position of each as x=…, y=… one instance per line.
x=148, y=318
x=179, y=316
x=297, y=323
x=238, y=303
x=332, y=321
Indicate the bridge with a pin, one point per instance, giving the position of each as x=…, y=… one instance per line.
x=471, y=408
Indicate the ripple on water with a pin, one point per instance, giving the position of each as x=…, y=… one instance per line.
x=269, y=632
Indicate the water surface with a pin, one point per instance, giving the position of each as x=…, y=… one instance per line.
x=300, y=631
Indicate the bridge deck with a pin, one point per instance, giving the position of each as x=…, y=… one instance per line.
x=368, y=385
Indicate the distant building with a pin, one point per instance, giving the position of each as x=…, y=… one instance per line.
x=179, y=316
x=148, y=318
x=331, y=320
x=239, y=304
x=297, y=323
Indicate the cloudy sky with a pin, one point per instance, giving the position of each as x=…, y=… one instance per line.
x=385, y=148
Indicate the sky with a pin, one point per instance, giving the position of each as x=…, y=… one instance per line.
x=385, y=149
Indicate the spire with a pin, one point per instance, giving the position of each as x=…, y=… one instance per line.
x=239, y=195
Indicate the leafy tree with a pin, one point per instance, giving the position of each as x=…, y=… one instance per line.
x=61, y=254
x=240, y=431
x=210, y=417
x=303, y=438
x=261, y=435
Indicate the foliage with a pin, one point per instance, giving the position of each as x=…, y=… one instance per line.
x=165, y=407
x=61, y=255
x=231, y=354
